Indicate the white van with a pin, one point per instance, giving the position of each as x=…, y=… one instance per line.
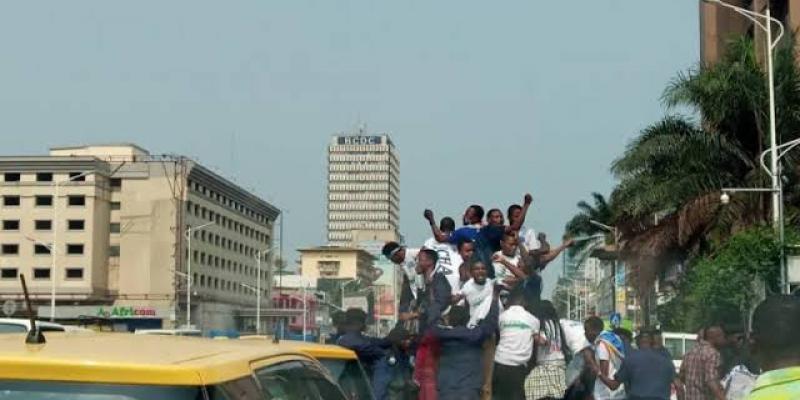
x=22, y=325
x=170, y=332
x=678, y=344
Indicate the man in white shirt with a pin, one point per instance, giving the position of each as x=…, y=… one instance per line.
x=478, y=293
x=449, y=259
x=405, y=259
x=608, y=358
x=506, y=262
x=518, y=330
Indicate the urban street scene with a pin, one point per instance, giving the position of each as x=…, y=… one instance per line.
x=585, y=200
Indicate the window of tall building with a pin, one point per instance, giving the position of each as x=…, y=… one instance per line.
x=77, y=177
x=74, y=273
x=40, y=249
x=9, y=273
x=41, y=273
x=12, y=177
x=74, y=249
x=10, y=224
x=11, y=201
x=44, y=201
x=10, y=249
x=76, y=224
x=43, y=224
x=44, y=177
x=113, y=251
x=76, y=200
x=115, y=227
x=115, y=183
x=115, y=205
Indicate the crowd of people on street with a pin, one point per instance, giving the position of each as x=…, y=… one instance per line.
x=472, y=325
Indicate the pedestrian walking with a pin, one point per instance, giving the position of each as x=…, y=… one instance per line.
x=700, y=367
x=645, y=372
x=609, y=351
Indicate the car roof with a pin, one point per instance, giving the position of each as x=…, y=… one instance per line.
x=27, y=323
x=123, y=358
x=316, y=350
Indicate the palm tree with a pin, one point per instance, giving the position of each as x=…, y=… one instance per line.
x=580, y=226
x=667, y=200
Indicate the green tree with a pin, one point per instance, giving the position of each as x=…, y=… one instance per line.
x=725, y=285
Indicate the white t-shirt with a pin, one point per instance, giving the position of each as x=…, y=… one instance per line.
x=550, y=351
x=601, y=391
x=527, y=238
x=449, y=261
x=500, y=270
x=409, y=266
x=517, y=328
x=478, y=298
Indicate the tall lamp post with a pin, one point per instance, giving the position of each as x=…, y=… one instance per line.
x=54, y=245
x=259, y=255
x=611, y=229
x=765, y=21
x=189, y=231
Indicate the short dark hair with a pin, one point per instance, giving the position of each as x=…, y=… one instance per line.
x=432, y=254
x=447, y=224
x=388, y=248
x=459, y=316
x=338, y=318
x=595, y=322
x=478, y=210
x=464, y=241
x=776, y=323
x=355, y=318
x=494, y=210
x=517, y=296
x=475, y=261
x=511, y=209
x=644, y=334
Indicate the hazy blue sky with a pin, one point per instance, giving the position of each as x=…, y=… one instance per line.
x=484, y=100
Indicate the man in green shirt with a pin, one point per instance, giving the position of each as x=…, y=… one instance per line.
x=776, y=325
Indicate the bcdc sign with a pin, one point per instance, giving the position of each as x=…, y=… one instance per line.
x=359, y=140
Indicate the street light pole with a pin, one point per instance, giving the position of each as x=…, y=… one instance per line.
x=612, y=229
x=765, y=21
x=189, y=232
x=54, y=245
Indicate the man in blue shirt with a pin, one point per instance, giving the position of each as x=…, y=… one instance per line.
x=646, y=373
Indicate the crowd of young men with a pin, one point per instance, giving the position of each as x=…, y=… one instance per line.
x=472, y=326
x=463, y=301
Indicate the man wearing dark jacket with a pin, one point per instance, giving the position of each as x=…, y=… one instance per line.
x=460, y=375
x=368, y=349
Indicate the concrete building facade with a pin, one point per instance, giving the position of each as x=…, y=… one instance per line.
x=719, y=25
x=363, y=186
x=124, y=225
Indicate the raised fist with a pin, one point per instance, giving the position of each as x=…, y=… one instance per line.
x=528, y=199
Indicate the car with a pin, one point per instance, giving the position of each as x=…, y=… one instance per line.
x=21, y=325
x=340, y=362
x=123, y=366
x=170, y=332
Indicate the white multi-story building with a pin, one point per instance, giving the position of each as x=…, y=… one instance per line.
x=363, y=186
x=118, y=218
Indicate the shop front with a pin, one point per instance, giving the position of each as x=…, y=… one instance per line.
x=110, y=317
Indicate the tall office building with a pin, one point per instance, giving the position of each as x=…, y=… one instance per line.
x=363, y=186
x=719, y=25
x=118, y=218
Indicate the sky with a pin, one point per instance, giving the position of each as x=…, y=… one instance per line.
x=484, y=101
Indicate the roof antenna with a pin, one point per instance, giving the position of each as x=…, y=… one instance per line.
x=35, y=335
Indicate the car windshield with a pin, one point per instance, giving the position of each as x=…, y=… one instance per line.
x=28, y=390
x=350, y=376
